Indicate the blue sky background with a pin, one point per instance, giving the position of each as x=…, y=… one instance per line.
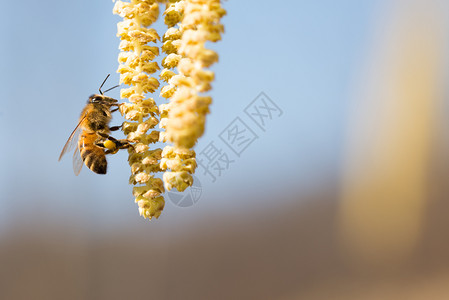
x=302, y=54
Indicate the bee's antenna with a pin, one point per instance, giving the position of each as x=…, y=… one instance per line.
x=111, y=88
x=103, y=83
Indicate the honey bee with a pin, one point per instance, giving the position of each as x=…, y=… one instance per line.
x=92, y=134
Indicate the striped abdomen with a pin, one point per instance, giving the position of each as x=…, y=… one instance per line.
x=93, y=156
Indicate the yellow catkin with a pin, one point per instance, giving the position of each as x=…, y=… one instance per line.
x=136, y=67
x=191, y=24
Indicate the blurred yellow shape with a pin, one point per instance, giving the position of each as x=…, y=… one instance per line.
x=385, y=172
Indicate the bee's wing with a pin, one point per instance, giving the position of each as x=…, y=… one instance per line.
x=73, y=139
x=77, y=161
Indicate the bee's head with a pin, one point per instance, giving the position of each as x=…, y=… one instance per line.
x=101, y=98
x=97, y=98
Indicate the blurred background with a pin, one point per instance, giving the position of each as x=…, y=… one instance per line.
x=343, y=194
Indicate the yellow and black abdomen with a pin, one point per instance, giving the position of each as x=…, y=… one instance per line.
x=92, y=155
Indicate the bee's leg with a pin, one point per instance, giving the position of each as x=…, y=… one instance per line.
x=115, y=109
x=114, y=128
x=107, y=137
x=104, y=136
x=110, y=151
x=119, y=144
x=124, y=144
x=100, y=143
x=102, y=139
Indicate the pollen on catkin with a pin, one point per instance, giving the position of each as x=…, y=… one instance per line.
x=136, y=67
x=200, y=22
x=191, y=24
